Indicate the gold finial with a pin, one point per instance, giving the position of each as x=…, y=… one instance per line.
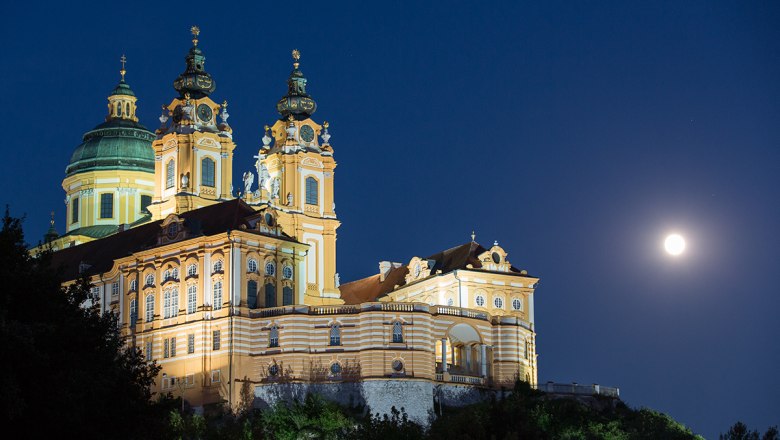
x=123, y=60
x=195, y=32
x=290, y=117
x=325, y=124
x=296, y=54
x=224, y=104
x=187, y=97
x=267, y=128
x=51, y=222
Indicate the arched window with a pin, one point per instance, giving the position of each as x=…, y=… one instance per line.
x=192, y=270
x=170, y=171
x=335, y=335
x=270, y=295
x=217, y=266
x=398, y=334
x=207, y=173
x=149, y=308
x=498, y=302
x=251, y=294
x=192, y=299
x=117, y=109
x=312, y=191
x=251, y=265
x=480, y=300
x=175, y=273
x=133, y=285
x=150, y=279
x=127, y=109
x=287, y=272
x=273, y=336
x=270, y=268
x=217, y=295
x=287, y=296
x=133, y=312
x=170, y=303
x=517, y=304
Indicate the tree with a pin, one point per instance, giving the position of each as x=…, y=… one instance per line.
x=65, y=368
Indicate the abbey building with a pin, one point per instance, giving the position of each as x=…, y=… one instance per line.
x=232, y=289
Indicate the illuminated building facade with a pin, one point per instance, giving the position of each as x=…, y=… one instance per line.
x=235, y=289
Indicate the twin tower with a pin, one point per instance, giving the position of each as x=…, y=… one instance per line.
x=124, y=175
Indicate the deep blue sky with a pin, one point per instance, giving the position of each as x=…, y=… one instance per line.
x=575, y=134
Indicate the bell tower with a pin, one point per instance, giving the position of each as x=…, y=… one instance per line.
x=193, y=153
x=295, y=175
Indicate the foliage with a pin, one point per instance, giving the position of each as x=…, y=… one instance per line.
x=740, y=431
x=65, y=367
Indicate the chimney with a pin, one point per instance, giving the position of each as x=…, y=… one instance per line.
x=384, y=269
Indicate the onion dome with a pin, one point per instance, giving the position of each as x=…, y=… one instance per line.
x=195, y=80
x=297, y=102
x=119, y=143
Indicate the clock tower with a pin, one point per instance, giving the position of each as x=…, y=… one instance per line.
x=296, y=177
x=193, y=153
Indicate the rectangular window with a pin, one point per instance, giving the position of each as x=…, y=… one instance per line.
x=215, y=376
x=191, y=343
x=215, y=340
x=145, y=202
x=192, y=299
x=312, y=190
x=107, y=205
x=115, y=289
x=173, y=347
x=170, y=171
x=165, y=348
x=74, y=210
x=148, y=350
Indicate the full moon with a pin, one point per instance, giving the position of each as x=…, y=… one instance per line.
x=674, y=244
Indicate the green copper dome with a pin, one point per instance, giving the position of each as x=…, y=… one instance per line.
x=117, y=144
x=122, y=89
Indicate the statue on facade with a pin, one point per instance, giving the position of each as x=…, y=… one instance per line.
x=289, y=199
x=337, y=280
x=262, y=175
x=249, y=179
x=275, y=187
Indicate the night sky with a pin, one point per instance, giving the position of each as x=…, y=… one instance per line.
x=575, y=134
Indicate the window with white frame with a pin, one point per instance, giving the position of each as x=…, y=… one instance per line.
x=270, y=268
x=114, y=289
x=149, y=350
x=217, y=305
x=287, y=272
x=175, y=273
x=191, y=343
x=251, y=265
x=149, y=308
x=498, y=302
x=170, y=303
x=480, y=300
x=95, y=293
x=398, y=334
x=215, y=340
x=517, y=304
x=166, y=275
x=312, y=190
x=215, y=376
x=273, y=336
x=192, y=270
x=133, y=311
x=217, y=266
x=335, y=335
x=133, y=285
x=192, y=299
x=170, y=174
x=149, y=280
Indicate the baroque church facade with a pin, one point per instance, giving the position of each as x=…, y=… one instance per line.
x=235, y=289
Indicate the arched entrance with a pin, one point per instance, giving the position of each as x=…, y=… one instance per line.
x=462, y=352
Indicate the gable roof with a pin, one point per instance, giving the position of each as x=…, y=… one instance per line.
x=371, y=288
x=99, y=255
